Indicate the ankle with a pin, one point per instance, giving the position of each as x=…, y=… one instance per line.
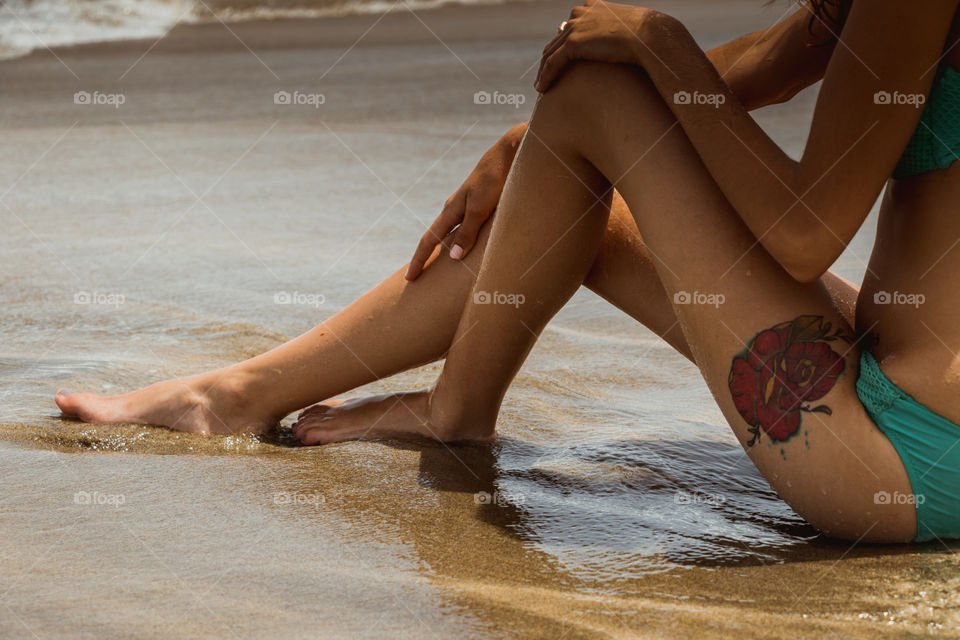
x=454, y=422
x=226, y=389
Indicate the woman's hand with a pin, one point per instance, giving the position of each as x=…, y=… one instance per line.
x=472, y=204
x=599, y=31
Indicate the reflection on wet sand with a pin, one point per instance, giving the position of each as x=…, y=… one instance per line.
x=543, y=540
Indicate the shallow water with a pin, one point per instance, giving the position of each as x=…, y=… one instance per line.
x=158, y=239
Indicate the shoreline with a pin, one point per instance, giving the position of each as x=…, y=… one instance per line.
x=474, y=22
x=460, y=22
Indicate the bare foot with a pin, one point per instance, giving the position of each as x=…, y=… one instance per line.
x=213, y=403
x=394, y=415
x=357, y=418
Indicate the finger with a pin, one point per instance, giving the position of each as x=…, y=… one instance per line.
x=556, y=40
x=551, y=67
x=449, y=218
x=428, y=242
x=466, y=234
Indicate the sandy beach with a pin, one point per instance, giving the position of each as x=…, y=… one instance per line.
x=175, y=205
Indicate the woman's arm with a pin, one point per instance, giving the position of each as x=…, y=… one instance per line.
x=805, y=211
x=761, y=68
x=773, y=65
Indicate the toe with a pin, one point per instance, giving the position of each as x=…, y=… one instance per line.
x=69, y=403
x=311, y=431
x=302, y=425
x=309, y=436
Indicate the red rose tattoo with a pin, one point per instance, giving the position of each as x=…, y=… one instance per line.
x=782, y=370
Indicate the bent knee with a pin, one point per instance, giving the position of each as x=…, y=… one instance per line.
x=605, y=111
x=586, y=86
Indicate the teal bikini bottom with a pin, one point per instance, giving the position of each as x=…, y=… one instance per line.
x=928, y=444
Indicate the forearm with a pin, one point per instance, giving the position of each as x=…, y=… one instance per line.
x=728, y=60
x=773, y=65
x=758, y=179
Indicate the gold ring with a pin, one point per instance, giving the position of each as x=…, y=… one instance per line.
x=563, y=25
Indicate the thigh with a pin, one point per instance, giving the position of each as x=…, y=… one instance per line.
x=624, y=275
x=780, y=356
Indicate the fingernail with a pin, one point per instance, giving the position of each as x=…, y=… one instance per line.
x=63, y=392
x=456, y=252
x=407, y=274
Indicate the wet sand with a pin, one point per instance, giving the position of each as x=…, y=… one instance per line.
x=152, y=240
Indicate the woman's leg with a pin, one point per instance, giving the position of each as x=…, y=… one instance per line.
x=779, y=356
x=531, y=267
x=396, y=326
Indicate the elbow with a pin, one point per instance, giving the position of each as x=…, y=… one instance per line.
x=806, y=273
x=804, y=256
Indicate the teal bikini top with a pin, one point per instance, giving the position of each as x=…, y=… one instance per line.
x=936, y=141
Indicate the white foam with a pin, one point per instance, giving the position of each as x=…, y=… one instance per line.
x=26, y=25
x=245, y=10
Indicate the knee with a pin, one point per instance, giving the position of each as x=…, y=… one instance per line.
x=596, y=103
x=585, y=87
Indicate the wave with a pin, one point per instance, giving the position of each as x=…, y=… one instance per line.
x=26, y=25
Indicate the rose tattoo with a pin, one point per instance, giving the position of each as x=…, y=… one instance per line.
x=782, y=370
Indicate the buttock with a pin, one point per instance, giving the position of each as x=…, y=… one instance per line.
x=928, y=445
